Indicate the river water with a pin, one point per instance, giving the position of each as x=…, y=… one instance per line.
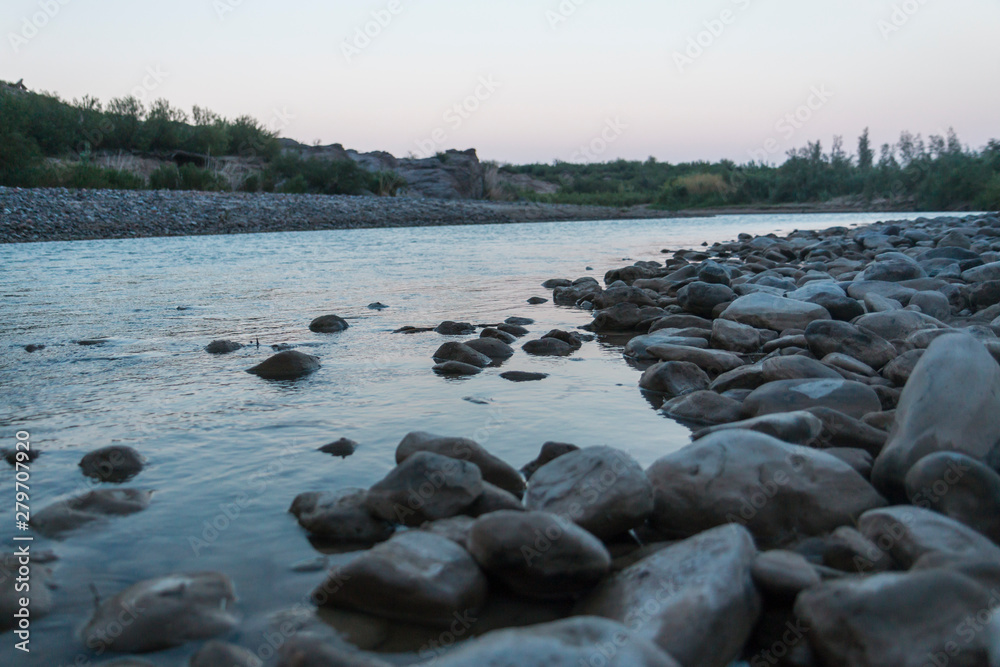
x=213, y=434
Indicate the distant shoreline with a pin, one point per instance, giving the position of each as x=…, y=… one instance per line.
x=36, y=215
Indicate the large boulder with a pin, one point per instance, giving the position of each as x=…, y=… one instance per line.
x=340, y=516
x=601, y=489
x=572, y=642
x=696, y=599
x=949, y=403
x=287, y=365
x=538, y=554
x=161, y=613
x=851, y=398
x=425, y=487
x=780, y=492
x=958, y=487
x=832, y=337
x=494, y=470
x=417, y=577
x=913, y=619
x=767, y=311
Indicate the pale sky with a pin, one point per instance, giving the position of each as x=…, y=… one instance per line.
x=535, y=80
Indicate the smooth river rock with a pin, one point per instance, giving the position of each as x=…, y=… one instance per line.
x=116, y=463
x=601, y=489
x=287, y=365
x=780, y=492
x=695, y=599
x=425, y=487
x=908, y=533
x=959, y=487
x=767, y=311
x=572, y=642
x=674, y=378
x=463, y=354
x=950, y=402
x=494, y=470
x=417, y=577
x=832, y=337
x=538, y=555
x=851, y=398
x=913, y=619
x=328, y=324
x=340, y=516
x=163, y=613
x=92, y=507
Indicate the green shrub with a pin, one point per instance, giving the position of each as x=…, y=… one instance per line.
x=85, y=176
x=297, y=185
x=205, y=180
x=166, y=177
x=989, y=198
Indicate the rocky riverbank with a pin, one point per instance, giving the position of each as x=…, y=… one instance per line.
x=837, y=506
x=28, y=215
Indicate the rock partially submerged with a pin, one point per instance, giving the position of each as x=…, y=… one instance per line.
x=328, y=324
x=341, y=517
x=112, y=464
x=417, y=577
x=96, y=506
x=288, y=365
x=425, y=487
x=163, y=613
x=223, y=347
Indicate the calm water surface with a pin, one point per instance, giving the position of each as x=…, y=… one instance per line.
x=213, y=433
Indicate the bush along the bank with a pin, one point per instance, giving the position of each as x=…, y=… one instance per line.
x=937, y=174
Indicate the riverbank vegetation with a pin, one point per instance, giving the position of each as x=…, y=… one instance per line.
x=48, y=142
x=127, y=144
x=934, y=174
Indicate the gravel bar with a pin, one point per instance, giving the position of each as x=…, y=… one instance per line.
x=31, y=215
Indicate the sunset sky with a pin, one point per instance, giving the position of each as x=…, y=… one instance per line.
x=534, y=80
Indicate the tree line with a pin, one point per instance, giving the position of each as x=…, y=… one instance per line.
x=938, y=173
